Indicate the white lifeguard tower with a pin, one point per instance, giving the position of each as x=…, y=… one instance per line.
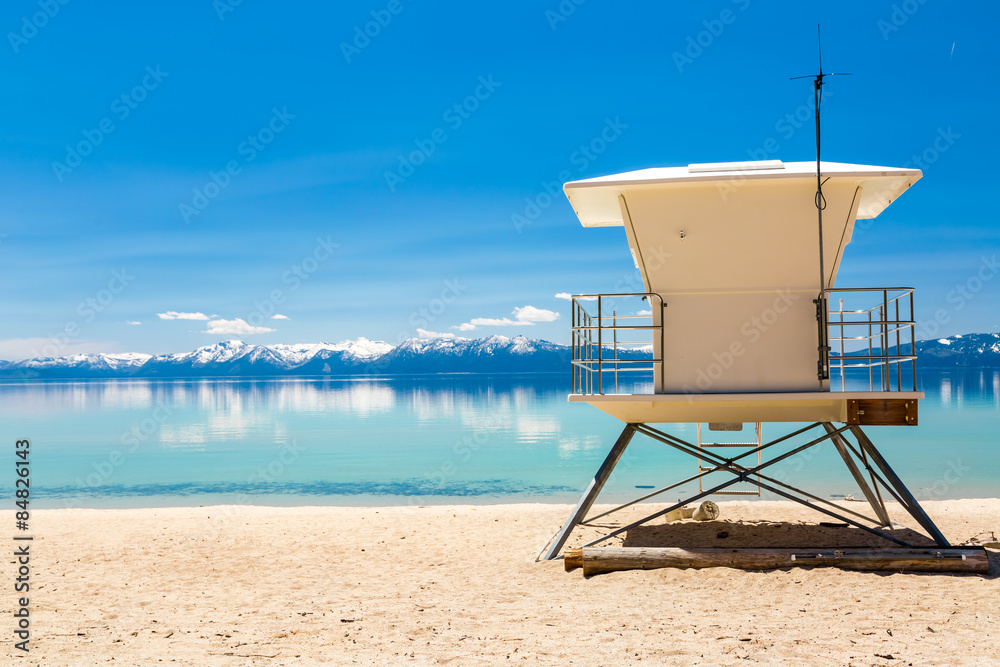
x=740, y=323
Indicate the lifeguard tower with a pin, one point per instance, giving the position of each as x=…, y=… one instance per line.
x=741, y=323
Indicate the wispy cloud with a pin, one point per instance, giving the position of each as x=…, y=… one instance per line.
x=174, y=315
x=237, y=327
x=525, y=316
x=433, y=334
x=566, y=296
x=279, y=316
x=13, y=349
x=491, y=322
x=135, y=324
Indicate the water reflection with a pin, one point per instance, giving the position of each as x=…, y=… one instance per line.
x=428, y=399
x=455, y=433
x=976, y=387
x=996, y=390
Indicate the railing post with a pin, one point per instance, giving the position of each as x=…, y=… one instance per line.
x=913, y=342
x=870, y=364
x=899, y=362
x=572, y=345
x=885, y=340
x=843, y=380
x=614, y=332
x=600, y=349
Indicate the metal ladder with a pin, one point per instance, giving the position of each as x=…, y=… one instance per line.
x=748, y=445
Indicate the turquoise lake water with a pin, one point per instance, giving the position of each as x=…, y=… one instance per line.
x=445, y=439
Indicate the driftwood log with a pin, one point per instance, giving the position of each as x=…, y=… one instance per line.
x=595, y=560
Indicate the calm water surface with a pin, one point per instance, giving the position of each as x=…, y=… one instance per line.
x=420, y=441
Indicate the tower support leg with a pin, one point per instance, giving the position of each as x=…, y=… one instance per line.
x=873, y=498
x=906, y=498
x=593, y=489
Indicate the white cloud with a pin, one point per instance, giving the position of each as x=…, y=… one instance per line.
x=644, y=312
x=526, y=317
x=174, y=315
x=237, y=327
x=532, y=314
x=278, y=316
x=569, y=297
x=135, y=324
x=433, y=334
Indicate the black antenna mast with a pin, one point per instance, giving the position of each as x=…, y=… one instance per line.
x=824, y=372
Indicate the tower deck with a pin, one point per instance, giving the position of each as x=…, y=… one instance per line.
x=855, y=407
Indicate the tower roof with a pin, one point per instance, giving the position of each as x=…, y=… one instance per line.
x=595, y=200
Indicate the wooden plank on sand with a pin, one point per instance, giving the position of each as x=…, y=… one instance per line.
x=596, y=560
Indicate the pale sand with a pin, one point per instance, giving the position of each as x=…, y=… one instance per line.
x=459, y=585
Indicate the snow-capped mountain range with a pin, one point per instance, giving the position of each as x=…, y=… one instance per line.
x=967, y=351
x=234, y=358
x=495, y=354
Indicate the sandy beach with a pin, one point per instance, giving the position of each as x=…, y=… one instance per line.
x=460, y=585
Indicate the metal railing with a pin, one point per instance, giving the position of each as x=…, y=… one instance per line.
x=605, y=344
x=879, y=338
x=610, y=343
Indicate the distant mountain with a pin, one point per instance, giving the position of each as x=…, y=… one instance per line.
x=234, y=358
x=967, y=351
x=964, y=351
x=496, y=354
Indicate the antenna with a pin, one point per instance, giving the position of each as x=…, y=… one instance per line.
x=824, y=348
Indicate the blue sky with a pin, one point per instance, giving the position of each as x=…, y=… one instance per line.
x=238, y=161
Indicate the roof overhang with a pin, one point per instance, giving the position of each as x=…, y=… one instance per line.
x=595, y=200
